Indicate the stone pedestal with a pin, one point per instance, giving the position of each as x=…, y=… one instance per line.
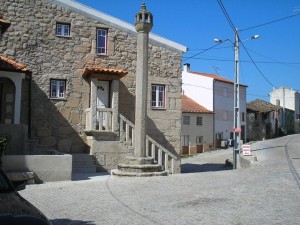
x=139, y=167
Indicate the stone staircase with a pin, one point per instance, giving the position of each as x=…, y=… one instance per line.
x=82, y=163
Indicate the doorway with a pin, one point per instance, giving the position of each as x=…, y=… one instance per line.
x=102, y=103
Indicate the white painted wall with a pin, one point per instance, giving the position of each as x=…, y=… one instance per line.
x=211, y=94
x=224, y=107
x=194, y=130
x=198, y=87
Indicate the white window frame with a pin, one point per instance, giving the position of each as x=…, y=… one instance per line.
x=185, y=140
x=64, y=30
x=101, y=50
x=199, y=140
x=158, y=92
x=186, y=120
x=199, y=121
x=57, y=89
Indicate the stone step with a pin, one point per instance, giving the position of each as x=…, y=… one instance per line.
x=82, y=157
x=83, y=163
x=138, y=174
x=84, y=169
x=28, y=177
x=144, y=168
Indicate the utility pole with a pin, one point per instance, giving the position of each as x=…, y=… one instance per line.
x=236, y=121
x=236, y=105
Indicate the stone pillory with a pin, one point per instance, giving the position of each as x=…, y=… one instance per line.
x=143, y=20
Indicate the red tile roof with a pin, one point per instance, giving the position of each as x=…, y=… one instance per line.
x=8, y=64
x=262, y=106
x=96, y=71
x=188, y=105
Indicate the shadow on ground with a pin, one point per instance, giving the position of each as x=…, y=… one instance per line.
x=71, y=222
x=87, y=176
x=198, y=168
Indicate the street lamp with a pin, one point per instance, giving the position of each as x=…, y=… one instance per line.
x=237, y=121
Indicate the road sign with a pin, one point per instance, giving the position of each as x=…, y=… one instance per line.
x=246, y=149
x=237, y=130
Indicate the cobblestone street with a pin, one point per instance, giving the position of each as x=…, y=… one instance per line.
x=208, y=193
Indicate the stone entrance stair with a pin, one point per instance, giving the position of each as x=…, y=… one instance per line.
x=82, y=163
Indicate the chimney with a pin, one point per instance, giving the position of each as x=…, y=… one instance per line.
x=186, y=67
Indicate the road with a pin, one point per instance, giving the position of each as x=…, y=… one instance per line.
x=266, y=193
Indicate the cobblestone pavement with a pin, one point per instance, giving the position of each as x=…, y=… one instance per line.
x=265, y=193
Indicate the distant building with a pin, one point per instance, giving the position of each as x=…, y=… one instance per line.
x=263, y=120
x=197, y=127
x=288, y=99
x=216, y=93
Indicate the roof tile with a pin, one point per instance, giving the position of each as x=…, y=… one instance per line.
x=11, y=65
x=189, y=105
x=262, y=106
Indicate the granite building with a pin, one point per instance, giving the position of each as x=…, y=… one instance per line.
x=77, y=94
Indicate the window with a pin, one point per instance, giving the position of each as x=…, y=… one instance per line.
x=199, y=140
x=63, y=30
x=101, y=42
x=199, y=121
x=185, y=140
x=57, y=88
x=158, y=96
x=186, y=120
x=243, y=116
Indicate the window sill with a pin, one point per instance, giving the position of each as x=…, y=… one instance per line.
x=156, y=108
x=58, y=99
x=97, y=54
x=62, y=36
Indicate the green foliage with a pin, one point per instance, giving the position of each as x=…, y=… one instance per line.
x=3, y=143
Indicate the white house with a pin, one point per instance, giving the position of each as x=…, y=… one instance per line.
x=216, y=93
x=196, y=128
x=288, y=99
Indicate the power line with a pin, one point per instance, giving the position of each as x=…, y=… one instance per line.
x=247, y=61
x=274, y=21
x=261, y=73
x=205, y=50
x=226, y=15
x=239, y=40
x=277, y=61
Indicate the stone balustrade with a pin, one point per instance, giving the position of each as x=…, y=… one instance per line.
x=104, y=119
x=161, y=155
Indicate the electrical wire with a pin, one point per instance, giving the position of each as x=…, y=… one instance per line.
x=267, y=23
x=226, y=14
x=239, y=40
x=247, y=61
x=205, y=50
x=261, y=73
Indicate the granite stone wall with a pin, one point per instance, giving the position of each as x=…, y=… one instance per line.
x=60, y=123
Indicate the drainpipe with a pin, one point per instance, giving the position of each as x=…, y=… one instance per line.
x=29, y=75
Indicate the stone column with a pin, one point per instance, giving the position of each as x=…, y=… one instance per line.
x=115, y=105
x=143, y=25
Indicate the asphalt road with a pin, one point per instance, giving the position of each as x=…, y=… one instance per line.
x=208, y=193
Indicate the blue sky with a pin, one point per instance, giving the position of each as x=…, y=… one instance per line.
x=195, y=23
